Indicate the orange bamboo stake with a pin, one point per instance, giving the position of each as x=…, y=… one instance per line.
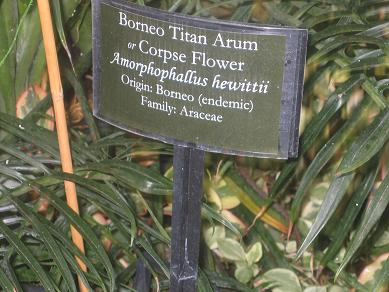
x=60, y=119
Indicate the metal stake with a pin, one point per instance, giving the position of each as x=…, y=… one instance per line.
x=188, y=164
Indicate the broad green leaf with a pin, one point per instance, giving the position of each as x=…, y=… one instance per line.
x=272, y=252
x=315, y=289
x=281, y=280
x=371, y=216
x=38, y=66
x=29, y=40
x=8, y=22
x=349, y=216
x=213, y=234
x=367, y=144
x=231, y=249
x=243, y=273
x=69, y=8
x=29, y=258
x=83, y=38
x=254, y=254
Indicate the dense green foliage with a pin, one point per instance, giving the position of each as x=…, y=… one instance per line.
x=317, y=222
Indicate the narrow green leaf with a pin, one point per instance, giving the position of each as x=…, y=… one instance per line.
x=26, y=132
x=227, y=282
x=336, y=30
x=314, y=128
x=9, y=269
x=73, y=263
x=371, y=216
x=249, y=197
x=376, y=95
x=371, y=62
x=80, y=94
x=324, y=155
x=134, y=176
x=22, y=156
x=367, y=144
x=42, y=138
x=340, y=42
x=334, y=195
x=348, y=278
x=281, y=16
x=243, y=13
x=150, y=250
x=203, y=283
x=305, y=8
x=26, y=254
x=383, y=277
x=110, y=194
x=85, y=230
x=327, y=16
x=349, y=216
x=58, y=24
x=48, y=241
x=156, y=222
x=12, y=173
x=213, y=214
x=5, y=283
x=69, y=245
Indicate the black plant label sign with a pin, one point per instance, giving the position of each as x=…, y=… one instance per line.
x=218, y=86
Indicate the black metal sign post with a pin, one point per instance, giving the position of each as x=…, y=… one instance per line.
x=188, y=167
x=201, y=85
